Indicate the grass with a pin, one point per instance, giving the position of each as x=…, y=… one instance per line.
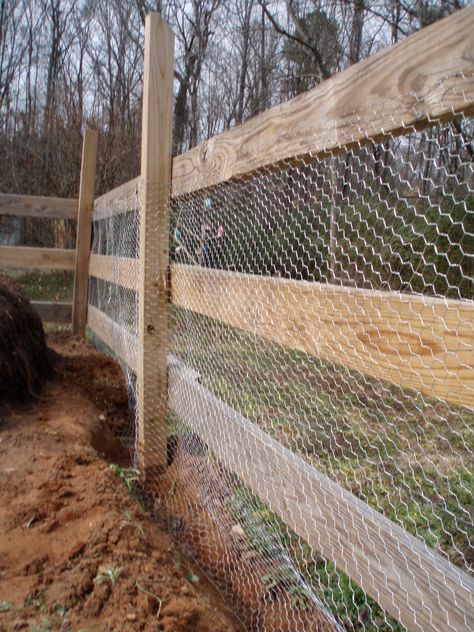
x=130, y=477
x=109, y=575
x=47, y=285
x=406, y=455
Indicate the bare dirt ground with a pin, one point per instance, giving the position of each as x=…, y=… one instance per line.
x=77, y=552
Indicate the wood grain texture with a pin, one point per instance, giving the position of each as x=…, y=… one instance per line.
x=42, y=258
x=35, y=206
x=123, y=343
x=419, y=588
x=417, y=342
x=49, y=312
x=84, y=231
x=428, y=75
x=154, y=242
x=117, y=200
x=120, y=270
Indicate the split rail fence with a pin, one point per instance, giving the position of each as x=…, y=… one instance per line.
x=420, y=343
x=65, y=259
x=415, y=341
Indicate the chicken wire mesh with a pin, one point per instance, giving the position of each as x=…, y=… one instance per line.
x=115, y=235
x=313, y=301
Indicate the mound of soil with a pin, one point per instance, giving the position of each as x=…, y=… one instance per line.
x=77, y=551
x=25, y=362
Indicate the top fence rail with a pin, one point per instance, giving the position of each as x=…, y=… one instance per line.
x=397, y=88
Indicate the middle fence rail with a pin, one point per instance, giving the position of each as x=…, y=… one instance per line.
x=296, y=321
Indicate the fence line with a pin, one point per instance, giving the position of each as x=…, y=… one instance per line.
x=421, y=343
x=41, y=258
x=427, y=344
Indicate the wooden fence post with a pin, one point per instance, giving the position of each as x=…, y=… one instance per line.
x=154, y=243
x=83, y=234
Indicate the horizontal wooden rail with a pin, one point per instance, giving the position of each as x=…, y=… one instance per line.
x=123, y=343
x=35, y=206
x=427, y=76
x=117, y=200
x=414, y=341
x=50, y=312
x=120, y=270
x=419, y=588
x=44, y=258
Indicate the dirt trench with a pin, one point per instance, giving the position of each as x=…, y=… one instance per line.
x=77, y=551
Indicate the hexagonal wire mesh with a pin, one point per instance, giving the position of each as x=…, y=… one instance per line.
x=327, y=302
x=116, y=236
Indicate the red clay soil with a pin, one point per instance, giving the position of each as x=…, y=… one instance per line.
x=76, y=551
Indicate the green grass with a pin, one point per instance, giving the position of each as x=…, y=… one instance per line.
x=47, y=285
x=110, y=575
x=130, y=478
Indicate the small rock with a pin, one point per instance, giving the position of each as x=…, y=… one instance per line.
x=237, y=529
x=102, y=417
x=131, y=617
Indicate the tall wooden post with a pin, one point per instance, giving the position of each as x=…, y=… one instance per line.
x=154, y=243
x=84, y=228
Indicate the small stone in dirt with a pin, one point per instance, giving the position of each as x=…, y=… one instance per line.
x=131, y=617
x=102, y=417
x=237, y=529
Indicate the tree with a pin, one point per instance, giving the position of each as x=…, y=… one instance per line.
x=305, y=68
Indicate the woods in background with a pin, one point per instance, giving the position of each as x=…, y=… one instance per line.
x=68, y=64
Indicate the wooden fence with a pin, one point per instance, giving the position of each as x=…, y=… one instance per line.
x=367, y=102
x=79, y=210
